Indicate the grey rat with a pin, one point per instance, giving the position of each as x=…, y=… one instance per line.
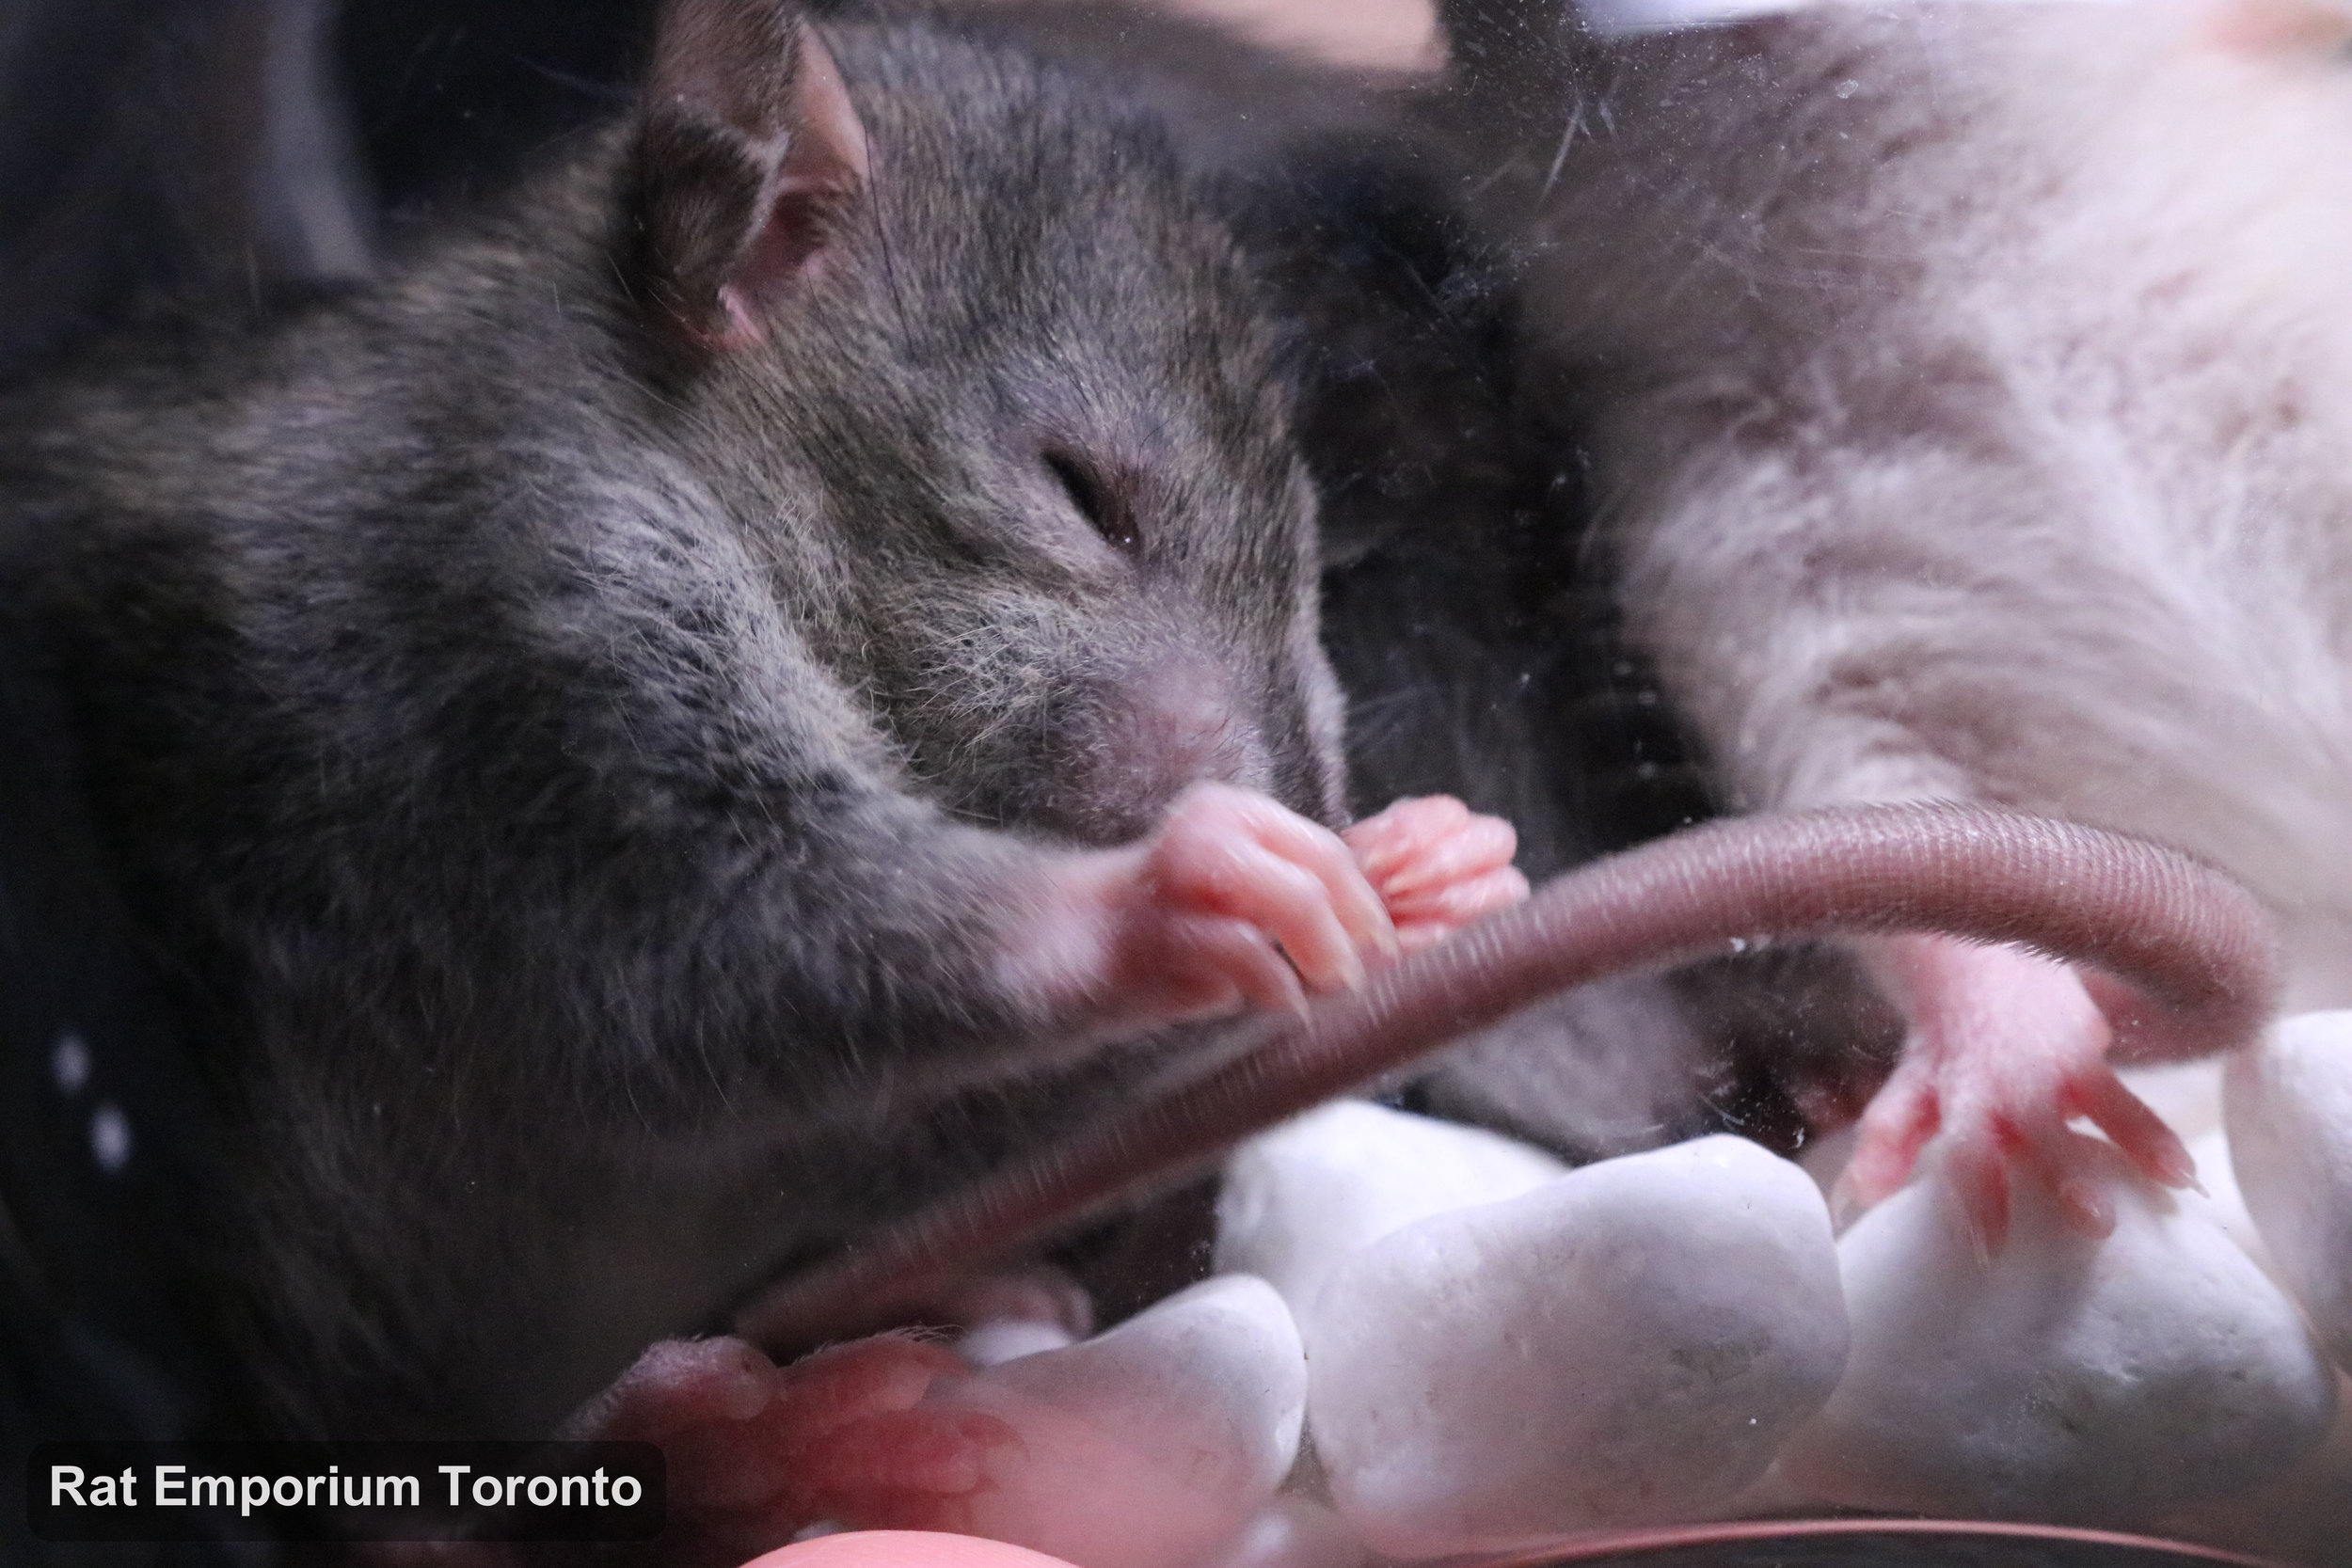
x=1966, y=386
x=361, y=1316
x=1436, y=504
x=616, y=725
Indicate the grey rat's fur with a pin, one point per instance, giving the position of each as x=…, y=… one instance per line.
x=588, y=790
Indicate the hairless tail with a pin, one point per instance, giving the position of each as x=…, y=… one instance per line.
x=2197, y=951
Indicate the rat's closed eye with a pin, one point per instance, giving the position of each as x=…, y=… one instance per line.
x=1105, y=502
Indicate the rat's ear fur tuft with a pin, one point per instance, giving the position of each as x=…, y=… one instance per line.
x=748, y=157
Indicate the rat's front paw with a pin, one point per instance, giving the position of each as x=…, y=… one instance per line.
x=2006, y=1048
x=757, y=1452
x=1437, y=865
x=1235, y=900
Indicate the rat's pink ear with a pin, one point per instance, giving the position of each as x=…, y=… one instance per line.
x=749, y=159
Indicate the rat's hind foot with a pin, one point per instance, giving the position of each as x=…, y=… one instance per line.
x=1437, y=865
x=758, y=1452
x=2005, y=1049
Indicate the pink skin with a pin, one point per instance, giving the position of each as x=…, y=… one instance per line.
x=1234, y=900
x=2179, y=960
x=2005, y=1049
x=2277, y=27
x=757, y=1453
x=1436, y=865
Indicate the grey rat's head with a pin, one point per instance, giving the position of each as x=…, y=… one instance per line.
x=1062, y=543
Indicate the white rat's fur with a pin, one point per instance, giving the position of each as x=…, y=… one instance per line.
x=1970, y=392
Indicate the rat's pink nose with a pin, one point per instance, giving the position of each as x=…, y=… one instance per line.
x=903, y=1548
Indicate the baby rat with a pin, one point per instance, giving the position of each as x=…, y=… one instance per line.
x=1966, y=388
x=805, y=610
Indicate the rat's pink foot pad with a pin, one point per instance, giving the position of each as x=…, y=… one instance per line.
x=757, y=1452
x=1437, y=865
x=2005, y=1047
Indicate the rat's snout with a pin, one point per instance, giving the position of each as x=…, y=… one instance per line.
x=1151, y=735
x=1192, y=730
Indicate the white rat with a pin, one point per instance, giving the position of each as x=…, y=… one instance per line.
x=1969, y=389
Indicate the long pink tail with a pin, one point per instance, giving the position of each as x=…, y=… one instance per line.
x=2192, y=942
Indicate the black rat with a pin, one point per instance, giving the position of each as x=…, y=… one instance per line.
x=755, y=637
x=1962, y=385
